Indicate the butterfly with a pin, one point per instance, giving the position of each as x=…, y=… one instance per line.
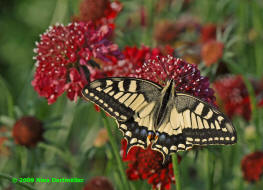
x=167, y=120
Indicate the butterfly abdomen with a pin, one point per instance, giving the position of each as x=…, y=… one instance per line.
x=166, y=98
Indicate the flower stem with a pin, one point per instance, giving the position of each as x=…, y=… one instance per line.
x=176, y=171
x=115, y=152
x=15, y=181
x=210, y=170
x=150, y=4
x=60, y=11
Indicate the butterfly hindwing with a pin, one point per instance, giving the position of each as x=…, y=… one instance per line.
x=134, y=134
x=208, y=124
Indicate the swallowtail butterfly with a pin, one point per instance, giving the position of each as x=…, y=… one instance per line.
x=149, y=114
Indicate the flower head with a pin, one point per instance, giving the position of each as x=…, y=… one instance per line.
x=252, y=165
x=208, y=33
x=166, y=31
x=134, y=59
x=187, y=77
x=147, y=165
x=28, y=131
x=63, y=58
x=234, y=96
x=212, y=51
x=99, y=11
x=99, y=183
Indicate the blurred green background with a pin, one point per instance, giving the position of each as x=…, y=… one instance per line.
x=71, y=127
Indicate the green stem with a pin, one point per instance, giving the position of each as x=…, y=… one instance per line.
x=258, y=27
x=115, y=152
x=210, y=171
x=150, y=4
x=9, y=98
x=254, y=109
x=60, y=11
x=176, y=171
x=15, y=181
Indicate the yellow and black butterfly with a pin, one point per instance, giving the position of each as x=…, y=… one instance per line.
x=148, y=113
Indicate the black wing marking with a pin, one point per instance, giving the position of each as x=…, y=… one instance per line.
x=193, y=122
x=121, y=97
x=208, y=124
x=134, y=134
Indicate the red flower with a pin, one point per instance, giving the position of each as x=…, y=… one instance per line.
x=134, y=59
x=260, y=104
x=63, y=56
x=147, y=164
x=212, y=51
x=186, y=76
x=208, y=33
x=234, y=96
x=252, y=165
x=28, y=131
x=98, y=183
x=99, y=11
x=166, y=31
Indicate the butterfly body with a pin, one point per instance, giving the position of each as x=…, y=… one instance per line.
x=149, y=114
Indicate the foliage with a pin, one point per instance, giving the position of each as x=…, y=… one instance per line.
x=223, y=38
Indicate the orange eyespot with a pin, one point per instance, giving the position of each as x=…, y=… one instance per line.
x=150, y=137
